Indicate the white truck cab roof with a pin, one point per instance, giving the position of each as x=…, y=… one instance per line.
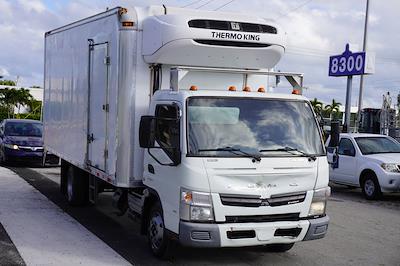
x=183, y=94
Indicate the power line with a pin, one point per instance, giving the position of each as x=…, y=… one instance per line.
x=294, y=9
x=192, y=3
x=205, y=4
x=224, y=5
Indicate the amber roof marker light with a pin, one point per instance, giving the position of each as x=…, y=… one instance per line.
x=261, y=89
x=193, y=88
x=247, y=89
x=232, y=88
x=296, y=92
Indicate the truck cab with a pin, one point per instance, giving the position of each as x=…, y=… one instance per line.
x=235, y=168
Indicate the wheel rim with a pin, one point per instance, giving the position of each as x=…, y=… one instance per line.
x=369, y=187
x=156, y=231
x=69, y=186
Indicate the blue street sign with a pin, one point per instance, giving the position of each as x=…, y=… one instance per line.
x=347, y=64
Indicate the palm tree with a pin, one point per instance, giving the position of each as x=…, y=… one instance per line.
x=11, y=98
x=332, y=108
x=317, y=106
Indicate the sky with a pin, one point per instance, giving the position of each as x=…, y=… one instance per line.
x=316, y=29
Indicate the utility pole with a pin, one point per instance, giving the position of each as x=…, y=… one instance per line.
x=360, y=96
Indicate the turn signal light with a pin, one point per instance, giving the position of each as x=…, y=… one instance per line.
x=261, y=89
x=232, y=88
x=193, y=88
x=128, y=24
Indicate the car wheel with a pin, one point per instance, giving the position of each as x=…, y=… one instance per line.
x=3, y=158
x=77, y=186
x=279, y=248
x=158, y=239
x=370, y=187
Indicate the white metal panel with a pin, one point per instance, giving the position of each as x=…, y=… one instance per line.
x=168, y=39
x=98, y=106
x=66, y=86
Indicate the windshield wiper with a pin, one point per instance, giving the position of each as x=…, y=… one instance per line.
x=291, y=150
x=256, y=157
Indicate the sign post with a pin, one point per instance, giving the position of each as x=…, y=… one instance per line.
x=350, y=64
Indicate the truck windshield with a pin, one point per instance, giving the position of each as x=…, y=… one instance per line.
x=264, y=127
x=374, y=145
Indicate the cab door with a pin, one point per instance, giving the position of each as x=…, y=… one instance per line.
x=347, y=163
x=162, y=163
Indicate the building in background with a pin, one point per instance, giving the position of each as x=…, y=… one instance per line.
x=37, y=94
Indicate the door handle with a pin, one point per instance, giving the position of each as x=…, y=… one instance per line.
x=150, y=168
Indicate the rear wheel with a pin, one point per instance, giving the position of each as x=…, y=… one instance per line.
x=77, y=187
x=280, y=247
x=159, y=241
x=370, y=187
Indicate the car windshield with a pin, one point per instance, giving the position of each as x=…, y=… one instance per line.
x=373, y=145
x=267, y=127
x=25, y=129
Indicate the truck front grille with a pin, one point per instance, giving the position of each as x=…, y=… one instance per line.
x=285, y=217
x=201, y=235
x=257, y=201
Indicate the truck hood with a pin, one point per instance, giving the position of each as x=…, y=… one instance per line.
x=24, y=141
x=384, y=157
x=271, y=176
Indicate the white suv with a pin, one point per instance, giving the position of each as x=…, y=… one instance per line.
x=369, y=161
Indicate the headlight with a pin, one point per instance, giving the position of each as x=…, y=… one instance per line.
x=318, y=204
x=11, y=146
x=390, y=167
x=196, y=206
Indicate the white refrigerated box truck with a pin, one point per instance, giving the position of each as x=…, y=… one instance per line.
x=170, y=108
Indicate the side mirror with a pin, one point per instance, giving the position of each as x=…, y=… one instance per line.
x=331, y=155
x=348, y=152
x=147, y=131
x=335, y=134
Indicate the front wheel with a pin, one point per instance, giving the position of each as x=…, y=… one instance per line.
x=279, y=248
x=3, y=158
x=370, y=187
x=159, y=241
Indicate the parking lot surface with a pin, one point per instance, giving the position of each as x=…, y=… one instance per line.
x=361, y=232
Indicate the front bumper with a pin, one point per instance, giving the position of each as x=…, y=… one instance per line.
x=389, y=182
x=20, y=155
x=35, y=157
x=251, y=234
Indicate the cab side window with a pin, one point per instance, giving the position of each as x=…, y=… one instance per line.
x=346, y=148
x=168, y=130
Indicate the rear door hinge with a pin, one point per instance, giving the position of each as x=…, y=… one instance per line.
x=107, y=60
x=106, y=154
x=90, y=138
x=106, y=107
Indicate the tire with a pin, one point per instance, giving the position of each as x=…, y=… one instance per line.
x=63, y=177
x=370, y=187
x=159, y=242
x=77, y=186
x=3, y=159
x=279, y=248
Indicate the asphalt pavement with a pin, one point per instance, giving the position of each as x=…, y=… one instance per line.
x=361, y=232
